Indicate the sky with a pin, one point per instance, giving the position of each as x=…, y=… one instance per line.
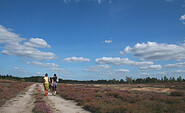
x=92, y=39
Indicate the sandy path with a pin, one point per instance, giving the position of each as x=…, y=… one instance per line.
x=22, y=103
x=60, y=105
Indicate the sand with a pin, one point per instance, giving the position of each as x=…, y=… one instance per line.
x=24, y=103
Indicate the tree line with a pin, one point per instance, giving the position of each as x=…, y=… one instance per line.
x=128, y=80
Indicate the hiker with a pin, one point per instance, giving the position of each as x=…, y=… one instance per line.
x=46, y=84
x=54, y=83
x=50, y=84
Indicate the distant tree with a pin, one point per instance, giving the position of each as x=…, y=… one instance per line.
x=139, y=80
x=129, y=80
x=114, y=81
x=165, y=79
x=122, y=81
x=179, y=79
x=162, y=80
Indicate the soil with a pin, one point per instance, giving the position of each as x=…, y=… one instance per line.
x=60, y=105
x=24, y=103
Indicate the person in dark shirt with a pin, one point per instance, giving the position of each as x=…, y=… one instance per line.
x=54, y=83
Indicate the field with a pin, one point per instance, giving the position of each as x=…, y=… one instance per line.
x=9, y=89
x=134, y=98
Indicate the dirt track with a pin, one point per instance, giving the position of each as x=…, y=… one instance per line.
x=60, y=105
x=24, y=103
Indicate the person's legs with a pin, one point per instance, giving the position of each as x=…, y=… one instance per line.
x=55, y=91
x=46, y=91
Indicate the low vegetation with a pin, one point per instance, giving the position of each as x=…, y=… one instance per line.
x=40, y=104
x=107, y=99
x=9, y=89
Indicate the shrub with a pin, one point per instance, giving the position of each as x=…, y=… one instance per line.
x=40, y=104
x=177, y=93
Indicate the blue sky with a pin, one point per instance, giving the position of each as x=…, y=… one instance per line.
x=92, y=39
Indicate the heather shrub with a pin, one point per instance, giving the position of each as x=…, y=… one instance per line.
x=40, y=104
x=41, y=107
x=177, y=93
x=107, y=100
x=172, y=101
x=9, y=89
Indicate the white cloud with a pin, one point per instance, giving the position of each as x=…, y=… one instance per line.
x=76, y=59
x=156, y=52
x=145, y=74
x=152, y=67
x=182, y=18
x=28, y=52
x=43, y=64
x=160, y=73
x=120, y=61
x=111, y=72
x=179, y=71
x=122, y=70
x=37, y=42
x=108, y=41
x=13, y=46
x=56, y=69
x=97, y=68
x=17, y=68
x=176, y=65
x=60, y=71
x=8, y=37
x=39, y=73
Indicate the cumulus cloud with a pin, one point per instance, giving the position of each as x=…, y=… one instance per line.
x=152, y=67
x=43, y=64
x=112, y=72
x=37, y=42
x=56, y=69
x=13, y=46
x=156, y=52
x=97, y=68
x=122, y=70
x=120, y=61
x=17, y=68
x=179, y=71
x=28, y=52
x=76, y=59
x=145, y=74
x=9, y=37
x=60, y=71
x=39, y=73
x=182, y=18
x=176, y=65
x=108, y=41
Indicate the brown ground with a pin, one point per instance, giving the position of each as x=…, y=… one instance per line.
x=24, y=103
x=138, y=87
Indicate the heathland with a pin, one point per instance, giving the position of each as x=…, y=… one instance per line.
x=152, y=95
